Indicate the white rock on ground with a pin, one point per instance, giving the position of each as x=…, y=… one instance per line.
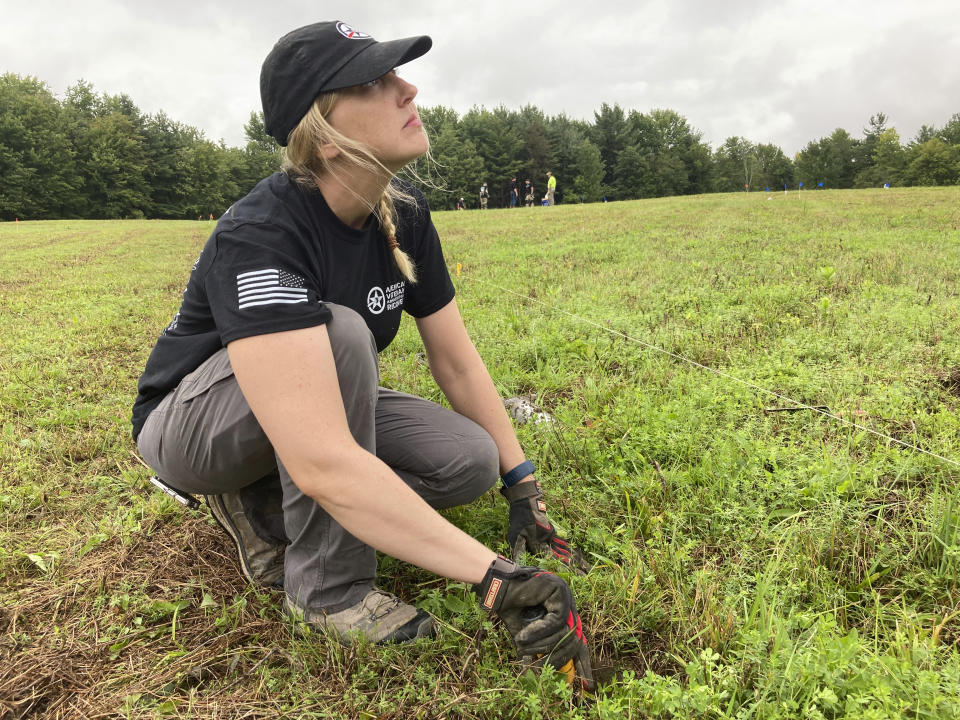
x=523, y=411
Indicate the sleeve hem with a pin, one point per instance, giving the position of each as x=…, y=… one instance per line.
x=440, y=303
x=271, y=325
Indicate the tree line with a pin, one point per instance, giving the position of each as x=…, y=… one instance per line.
x=92, y=155
x=98, y=156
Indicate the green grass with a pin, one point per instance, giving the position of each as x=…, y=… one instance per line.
x=750, y=564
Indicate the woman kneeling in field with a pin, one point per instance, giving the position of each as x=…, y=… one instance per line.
x=262, y=393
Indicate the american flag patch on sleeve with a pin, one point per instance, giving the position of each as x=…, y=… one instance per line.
x=270, y=287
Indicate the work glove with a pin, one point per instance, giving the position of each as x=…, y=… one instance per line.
x=541, y=616
x=530, y=531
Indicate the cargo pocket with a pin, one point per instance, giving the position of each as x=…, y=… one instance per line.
x=215, y=369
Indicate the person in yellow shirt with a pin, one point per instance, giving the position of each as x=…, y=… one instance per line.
x=551, y=188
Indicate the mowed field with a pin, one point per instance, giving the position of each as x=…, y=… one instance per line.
x=753, y=558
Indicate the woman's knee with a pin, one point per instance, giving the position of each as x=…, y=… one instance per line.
x=479, y=470
x=352, y=343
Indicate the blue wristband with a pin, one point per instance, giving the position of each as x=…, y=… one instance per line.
x=518, y=473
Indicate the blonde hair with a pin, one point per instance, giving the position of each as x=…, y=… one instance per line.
x=305, y=165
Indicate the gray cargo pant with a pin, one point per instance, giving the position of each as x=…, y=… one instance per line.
x=203, y=438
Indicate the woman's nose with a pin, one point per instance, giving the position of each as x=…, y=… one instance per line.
x=408, y=91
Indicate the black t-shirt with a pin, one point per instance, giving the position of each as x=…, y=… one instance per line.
x=274, y=259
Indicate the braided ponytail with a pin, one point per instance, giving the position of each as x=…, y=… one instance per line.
x=385, y=214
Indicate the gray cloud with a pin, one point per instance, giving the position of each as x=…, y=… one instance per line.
x=783, y=73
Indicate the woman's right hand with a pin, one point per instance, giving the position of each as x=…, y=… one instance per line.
x=555, y=634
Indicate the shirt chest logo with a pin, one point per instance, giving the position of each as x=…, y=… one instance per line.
x=376, y=300
x=380, y=299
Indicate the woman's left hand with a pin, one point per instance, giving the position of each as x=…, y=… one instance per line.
x=531, y=531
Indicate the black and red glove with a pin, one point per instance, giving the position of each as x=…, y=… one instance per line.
x=530, y=531
x=555, y=634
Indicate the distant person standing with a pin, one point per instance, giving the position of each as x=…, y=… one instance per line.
x=484, y=196
x=461, y=205
x=551, y=188
x=514, y=193
x=527, y=193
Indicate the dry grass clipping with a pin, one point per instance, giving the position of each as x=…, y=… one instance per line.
x=56, y=659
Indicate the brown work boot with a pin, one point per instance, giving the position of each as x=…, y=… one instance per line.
x=261, y=559
x=380, y=618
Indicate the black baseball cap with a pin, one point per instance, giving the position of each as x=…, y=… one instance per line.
x=319, y=58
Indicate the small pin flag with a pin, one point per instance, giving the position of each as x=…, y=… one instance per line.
x=458, y=269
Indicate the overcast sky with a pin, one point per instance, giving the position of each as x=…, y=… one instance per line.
x=779, y=72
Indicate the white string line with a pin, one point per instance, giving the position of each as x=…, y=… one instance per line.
x=844, y=421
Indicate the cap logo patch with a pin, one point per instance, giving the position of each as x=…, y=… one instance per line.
x=349, y=33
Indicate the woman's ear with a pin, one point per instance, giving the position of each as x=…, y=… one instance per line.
x=328, y=151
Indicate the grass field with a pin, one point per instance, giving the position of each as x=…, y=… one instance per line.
x=751, y=561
